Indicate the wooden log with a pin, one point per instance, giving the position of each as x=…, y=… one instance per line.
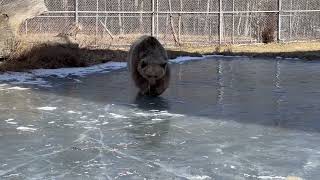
x=12, y=14
x=20, y=10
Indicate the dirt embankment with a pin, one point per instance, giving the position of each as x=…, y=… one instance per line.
x=56, y=55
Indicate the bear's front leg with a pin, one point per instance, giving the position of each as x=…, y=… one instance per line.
x=144, y=88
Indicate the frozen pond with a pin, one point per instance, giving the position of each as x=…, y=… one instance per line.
x=222, y=118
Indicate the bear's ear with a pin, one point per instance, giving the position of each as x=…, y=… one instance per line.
x=151, y=41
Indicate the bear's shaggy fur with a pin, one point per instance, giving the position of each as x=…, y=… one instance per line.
x=148, y=65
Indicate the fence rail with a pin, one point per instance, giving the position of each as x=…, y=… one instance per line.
x=176, y=22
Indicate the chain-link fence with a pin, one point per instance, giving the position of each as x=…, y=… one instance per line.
x=176, y=22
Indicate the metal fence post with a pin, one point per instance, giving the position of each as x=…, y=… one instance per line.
x=76, y=11
x=233, y=21
x=153, y=18
x=157, y=10
x=97, y=19
x=220, y=22
x=279, y=20
x=290, y=21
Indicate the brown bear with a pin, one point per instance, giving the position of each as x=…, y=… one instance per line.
x=148, y=65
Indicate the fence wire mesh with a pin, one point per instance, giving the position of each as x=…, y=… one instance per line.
x=176, y=22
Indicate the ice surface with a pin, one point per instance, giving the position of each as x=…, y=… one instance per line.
x=36, y=76
x=222, y=118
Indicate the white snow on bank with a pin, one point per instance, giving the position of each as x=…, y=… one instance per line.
x=4, y=87
x=183, y=59
x=18, y=88
x=271, y=177
x=64, y=72
x=47, y=108
x=36, y=77
x=21, y=78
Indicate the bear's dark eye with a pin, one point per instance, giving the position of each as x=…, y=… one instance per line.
x=164, y=65
x=143, y=64
x=143, y=54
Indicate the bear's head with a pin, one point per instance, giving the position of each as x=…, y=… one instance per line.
x=152, y=67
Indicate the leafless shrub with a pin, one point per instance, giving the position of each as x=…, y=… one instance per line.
x=269, y=29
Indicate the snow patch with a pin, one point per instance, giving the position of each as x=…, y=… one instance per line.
x=18, y=88
x=118, y=116
x=22, y=78
x=143, y=114
x=218, y=150
x=47, y=108
x=310, y=165
x=74, y=112
x=12, y=122
x=254, y=137
x=12, y=175
x=265, y=177
x=166, y=113
x=271, y=177
x=183, y=59
x=157, y=119
x=12, y=88
x=81, y=71
x=35, y=77
x=27, y=129
x=200, y=177
x=152, y=135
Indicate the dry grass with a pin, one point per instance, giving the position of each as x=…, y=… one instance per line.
x=302, y=50
x=84, y=40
